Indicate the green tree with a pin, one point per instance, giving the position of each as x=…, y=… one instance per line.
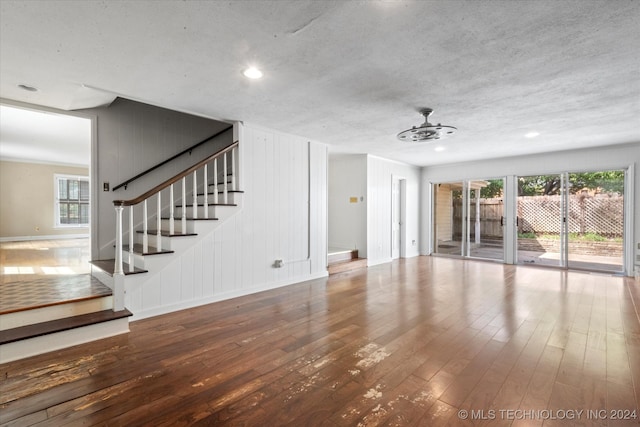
x=494, y=189
x=549, y=185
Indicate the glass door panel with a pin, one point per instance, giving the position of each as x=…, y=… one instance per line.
x=468, y=219
x=539, y=220
x=596, y=220
x=486, y=218
x=447, y=221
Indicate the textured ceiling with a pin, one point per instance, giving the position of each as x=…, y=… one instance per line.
x=351, y=74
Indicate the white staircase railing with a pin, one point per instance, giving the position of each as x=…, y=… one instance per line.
x=201, y=182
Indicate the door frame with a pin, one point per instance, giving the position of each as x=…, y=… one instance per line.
x=402, y=213
x=94, y=189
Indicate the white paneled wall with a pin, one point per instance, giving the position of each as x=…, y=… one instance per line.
x=283, y=216
x=380, y=173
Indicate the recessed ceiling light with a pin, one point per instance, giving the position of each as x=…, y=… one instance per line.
x=28, y=88
x=439, y=148
x=531, y=134
x=252, y=73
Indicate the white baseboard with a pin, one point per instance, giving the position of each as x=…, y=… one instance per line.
x=184, y=305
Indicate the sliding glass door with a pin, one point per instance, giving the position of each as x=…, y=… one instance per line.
x=485, y=221
x=573, y=220
x=539, y=220
x=447, y=225
x=595, y=220
x=469, y=219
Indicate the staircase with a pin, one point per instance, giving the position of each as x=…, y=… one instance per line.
x=187, y=214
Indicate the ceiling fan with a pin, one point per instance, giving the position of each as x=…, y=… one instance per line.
x=426, y=131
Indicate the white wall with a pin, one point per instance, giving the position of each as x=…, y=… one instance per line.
x=602, y=158
x=380, y=173
x=27, y=191
x=283, y=216
x=348, y=219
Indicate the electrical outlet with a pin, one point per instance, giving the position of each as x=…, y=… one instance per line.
x=105, y=186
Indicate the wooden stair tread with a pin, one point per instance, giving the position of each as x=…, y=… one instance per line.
x=222, y=191
x=166, y=233
x=208, y=204
x=59, y=325
x=138, y=249
x=108, y=266
x=192, y=219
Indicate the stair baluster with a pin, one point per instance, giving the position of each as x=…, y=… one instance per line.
x=130, y=261
x=233, y=169
x=159, y=223
x=194, y=211
x=172, y=225
x=226, y=194
x=184, y=205
x=145, y=227
x=215, y=181
x=206, y=193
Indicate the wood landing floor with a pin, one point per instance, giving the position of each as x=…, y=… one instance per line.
x=424, y=341
x=41, y=273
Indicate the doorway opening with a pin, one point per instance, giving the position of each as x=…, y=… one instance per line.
x=46, y=189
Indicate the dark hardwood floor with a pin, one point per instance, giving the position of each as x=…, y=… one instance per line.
x=413, y=342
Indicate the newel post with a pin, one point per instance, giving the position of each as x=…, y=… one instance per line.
x=118, y=267
x=118, y=271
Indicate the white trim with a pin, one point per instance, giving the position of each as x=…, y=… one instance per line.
x=40, y=237
x=629, y=252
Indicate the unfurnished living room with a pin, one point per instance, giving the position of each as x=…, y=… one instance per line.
x=332, y=213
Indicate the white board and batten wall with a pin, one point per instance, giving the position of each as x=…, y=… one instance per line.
x=624, y=156
x=283, y=217
x=381, y=173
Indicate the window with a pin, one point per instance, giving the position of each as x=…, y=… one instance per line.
x=72, y=201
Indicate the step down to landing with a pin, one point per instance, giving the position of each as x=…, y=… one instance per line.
x=59, y=325
x=109, y=266
x=344, y=260
x=38, y=338
x=348, y=265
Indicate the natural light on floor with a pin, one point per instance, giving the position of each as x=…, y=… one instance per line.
x=43, y=270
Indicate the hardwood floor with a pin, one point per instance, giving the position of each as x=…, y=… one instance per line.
x=26, y=260
x=413, y=342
